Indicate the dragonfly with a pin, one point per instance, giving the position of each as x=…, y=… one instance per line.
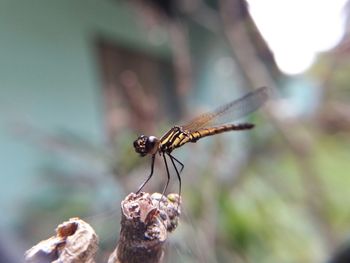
x=208, y=124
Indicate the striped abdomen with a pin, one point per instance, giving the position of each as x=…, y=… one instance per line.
x=178, y=137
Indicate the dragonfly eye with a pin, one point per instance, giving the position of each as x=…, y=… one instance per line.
x=140, y=145
x=152, y=139
x=145, y=145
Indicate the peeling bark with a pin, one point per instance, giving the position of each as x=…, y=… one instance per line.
x=145, y=224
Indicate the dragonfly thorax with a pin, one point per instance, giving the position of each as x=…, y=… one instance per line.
x=146, y=145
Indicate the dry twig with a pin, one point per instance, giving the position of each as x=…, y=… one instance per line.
x=75, y=241
x=146, y=221
x=145, y=224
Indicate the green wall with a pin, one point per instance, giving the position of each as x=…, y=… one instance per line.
x=49, y=79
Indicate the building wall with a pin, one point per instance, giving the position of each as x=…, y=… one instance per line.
x=49, y=79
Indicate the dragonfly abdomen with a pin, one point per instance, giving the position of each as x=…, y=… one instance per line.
x=184, y=137
x=196, y=135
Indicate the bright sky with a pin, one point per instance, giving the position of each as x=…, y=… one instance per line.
x=296, y=30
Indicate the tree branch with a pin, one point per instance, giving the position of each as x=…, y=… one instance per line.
x=145, y=224
x=146, y=221
x=75, y=241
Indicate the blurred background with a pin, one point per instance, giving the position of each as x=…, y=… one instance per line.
x=80, y=80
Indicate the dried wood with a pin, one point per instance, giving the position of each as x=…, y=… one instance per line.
x=146, y=221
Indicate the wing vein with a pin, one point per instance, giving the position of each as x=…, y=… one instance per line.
x=231, y=111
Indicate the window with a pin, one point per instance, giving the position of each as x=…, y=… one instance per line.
x=138, y=89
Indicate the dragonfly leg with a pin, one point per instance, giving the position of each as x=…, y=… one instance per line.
x=149, y=177
x=182, y=165
x=168, y=175
x=172, y=158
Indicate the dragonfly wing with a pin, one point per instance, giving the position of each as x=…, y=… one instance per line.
x=231, y=111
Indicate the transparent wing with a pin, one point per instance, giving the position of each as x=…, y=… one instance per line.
x=231, y=111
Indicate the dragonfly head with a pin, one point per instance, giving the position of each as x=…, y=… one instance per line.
x=146, y=145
